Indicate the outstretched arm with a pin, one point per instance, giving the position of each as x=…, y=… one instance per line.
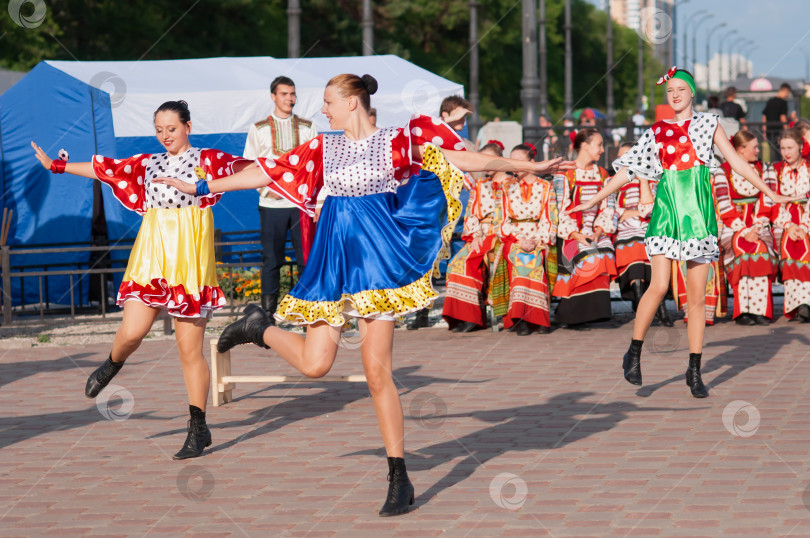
x=616, y=183
x=744, y=169
x=471, y=161
x=77, y=169
x=251, y=177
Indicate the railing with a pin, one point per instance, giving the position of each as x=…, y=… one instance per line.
x=223, y=248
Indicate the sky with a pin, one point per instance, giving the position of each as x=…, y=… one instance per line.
x=781, y=28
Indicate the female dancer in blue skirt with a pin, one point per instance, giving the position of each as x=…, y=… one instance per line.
x=683, y=224
x=375, y=247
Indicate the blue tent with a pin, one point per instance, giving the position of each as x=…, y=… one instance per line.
x=106, y=108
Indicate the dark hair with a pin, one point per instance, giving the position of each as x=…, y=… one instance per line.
x=741, y=138
x=786, y=86
x=353, y=86
x=279, y=81
x=180, y=107
x=583, y=136
x=494, y=147
x=802, y=126
x=530, y=150
x=372, y=112
x=713, y=101
x=731, y=91
x=628, y=145
x=453, y=102
x=792, y=134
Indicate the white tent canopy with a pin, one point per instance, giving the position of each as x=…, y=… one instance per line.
x=227, y=95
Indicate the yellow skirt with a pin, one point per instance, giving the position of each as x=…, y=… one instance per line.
x=172, y=264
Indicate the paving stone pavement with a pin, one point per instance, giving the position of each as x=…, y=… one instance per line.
x=506, y=436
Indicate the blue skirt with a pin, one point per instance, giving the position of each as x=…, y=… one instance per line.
x=374, y=255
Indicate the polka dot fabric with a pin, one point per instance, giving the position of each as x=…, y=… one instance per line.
x=645, y=158
x=675, y=149
x=131, y=179
x=298, y=174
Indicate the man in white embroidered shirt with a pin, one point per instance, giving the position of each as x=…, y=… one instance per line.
x=272, y=137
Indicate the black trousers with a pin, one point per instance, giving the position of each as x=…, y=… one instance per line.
x=275, y=223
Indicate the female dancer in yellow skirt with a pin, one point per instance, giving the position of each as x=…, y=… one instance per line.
x=171, y=266
x=375, y=247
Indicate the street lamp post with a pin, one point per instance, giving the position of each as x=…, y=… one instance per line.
x=293, y=28
x=694, y=40
x=749, y=71
x=708, y=59
x=569, y=96
x=722, y=62
x=543, y=70
x=640, y=81
x=673, y=58
x=368, y=29
x=530, y=84
x=686, y=33
x=474, y=122
x=610, y=104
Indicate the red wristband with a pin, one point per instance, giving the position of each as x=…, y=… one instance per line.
x=58, y=166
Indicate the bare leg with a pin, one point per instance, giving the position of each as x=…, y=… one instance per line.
x=189, y=334
x=138, y=320
x=312, y=355
x=659, y=285
x=376, y=351
x=696, y=276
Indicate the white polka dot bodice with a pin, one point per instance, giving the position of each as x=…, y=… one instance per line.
x=359, y=167
x=179, y=166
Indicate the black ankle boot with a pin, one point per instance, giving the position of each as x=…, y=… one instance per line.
x=421, y=320
x=199, y=436
x=637, y=289
x=247, y=330
x=400, y=489
x=693, y=378
x=663, y=315
x=632, y=362
x=101, y=377
x=269, y=304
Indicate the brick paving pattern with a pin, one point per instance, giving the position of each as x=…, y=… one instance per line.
x=506, y=436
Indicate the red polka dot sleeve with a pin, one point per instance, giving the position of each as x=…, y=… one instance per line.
x=125, y=177
x=217, y=164
x=298, y=174
x=421, y=130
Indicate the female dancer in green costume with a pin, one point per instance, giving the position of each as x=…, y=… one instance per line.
x=683, y=225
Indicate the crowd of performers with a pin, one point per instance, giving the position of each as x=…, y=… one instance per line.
x=522, y=250
x=386, y=202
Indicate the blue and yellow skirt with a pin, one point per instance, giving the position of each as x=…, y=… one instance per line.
x=373, y=256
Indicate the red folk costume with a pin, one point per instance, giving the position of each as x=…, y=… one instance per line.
x=750, y=266
x=632, y=262
x=585, y=272
x=794, y=254
x=527, y=210
x=467, y=271
x=172, y=263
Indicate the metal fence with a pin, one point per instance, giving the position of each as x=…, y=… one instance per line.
x=97, y=273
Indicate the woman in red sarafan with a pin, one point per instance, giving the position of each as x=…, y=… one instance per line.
x=468, y=270
x=792, y=222
x=527, y=231
x=746, y=236
x=586, y=262
x=172, y=265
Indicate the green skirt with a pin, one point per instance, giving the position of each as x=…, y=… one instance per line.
x=683, y=224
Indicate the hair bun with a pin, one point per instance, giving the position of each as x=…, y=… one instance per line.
x=370, y=83
x=183, y=104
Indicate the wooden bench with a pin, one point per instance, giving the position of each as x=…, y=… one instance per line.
x=223, y=383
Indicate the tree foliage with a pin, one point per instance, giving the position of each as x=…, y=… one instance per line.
x=431, y=34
